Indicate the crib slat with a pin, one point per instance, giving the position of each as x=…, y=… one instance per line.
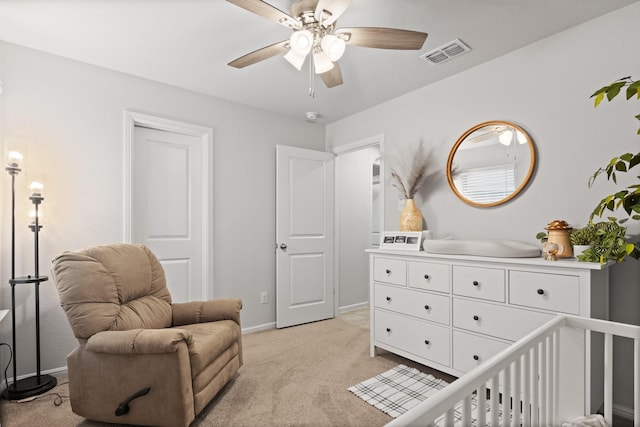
x=543, y=383
x=636, y=382
x=526, y=389
x=550, y=380
x=556, y=381
x=515, y=420
x=481, y=397
x=449, y=418
x=506, y=396
x=466, y=411
x=535, y=418
x=495, y=406
x=608, y=378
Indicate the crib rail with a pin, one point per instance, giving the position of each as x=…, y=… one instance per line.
x=512, y=373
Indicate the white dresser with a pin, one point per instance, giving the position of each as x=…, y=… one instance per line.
x=454, y=312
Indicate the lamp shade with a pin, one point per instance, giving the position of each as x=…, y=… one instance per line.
x=322, y=62
x=301, y=42
x=333, y=46
x=14, y=158
x=296, y=59
x=36, y=188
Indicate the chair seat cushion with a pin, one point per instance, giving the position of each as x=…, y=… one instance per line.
x=210, y=340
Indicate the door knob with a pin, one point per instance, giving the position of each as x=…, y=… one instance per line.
x=283, y=246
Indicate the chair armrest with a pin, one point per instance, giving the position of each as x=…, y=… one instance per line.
x=188, y=313
x=139, y=341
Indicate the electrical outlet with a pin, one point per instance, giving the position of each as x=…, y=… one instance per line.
x=264, y=297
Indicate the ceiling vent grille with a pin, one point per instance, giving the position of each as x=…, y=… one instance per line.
x=446, y=52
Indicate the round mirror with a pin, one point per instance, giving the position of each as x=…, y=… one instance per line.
x=491, y=163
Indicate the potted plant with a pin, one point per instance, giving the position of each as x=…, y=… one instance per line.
x=609, y=243
x=582, y=238
x=627, y=198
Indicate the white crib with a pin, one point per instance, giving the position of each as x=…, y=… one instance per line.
x=545, y=355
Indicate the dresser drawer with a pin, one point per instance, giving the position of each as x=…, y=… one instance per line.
x=431, y=276
x=553, y=292
x=413, y=303
x=477, y=282
x=469, y=350
x=390, y=271
x=418, y=337
x=498, y=321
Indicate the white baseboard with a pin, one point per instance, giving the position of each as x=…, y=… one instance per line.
x=272, y=325
x=352, y=307
x=263, y=327
x=623, y=411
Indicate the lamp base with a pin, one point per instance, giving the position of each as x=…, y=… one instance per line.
x=28, y=387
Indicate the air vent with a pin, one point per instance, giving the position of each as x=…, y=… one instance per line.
x=446, y=52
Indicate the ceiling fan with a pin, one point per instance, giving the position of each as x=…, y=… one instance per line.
x=313, y=24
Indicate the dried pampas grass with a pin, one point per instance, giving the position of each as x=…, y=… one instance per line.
x=408, y=180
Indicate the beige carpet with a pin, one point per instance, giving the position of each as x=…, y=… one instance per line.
x=296, y=376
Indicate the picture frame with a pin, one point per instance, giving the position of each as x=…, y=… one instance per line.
x=403, y=240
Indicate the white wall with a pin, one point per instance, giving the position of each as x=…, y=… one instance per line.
x=69, y=115
x=545, y=88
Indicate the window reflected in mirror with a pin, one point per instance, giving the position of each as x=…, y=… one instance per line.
x=491, y=163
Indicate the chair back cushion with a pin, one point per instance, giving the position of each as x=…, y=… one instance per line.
x=112, y=288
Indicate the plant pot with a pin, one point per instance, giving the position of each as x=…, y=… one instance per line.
x=579, y=249
x=410, y=217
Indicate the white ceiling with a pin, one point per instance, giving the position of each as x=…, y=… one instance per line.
x=187, y=43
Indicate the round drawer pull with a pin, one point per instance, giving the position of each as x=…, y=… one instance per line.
x=388, y=298
x=388, y=329
x=426, y=276
x=426, y=342
x=388, y=271
x=540, y=291
x=476, y=357
x=426, y=307
x=475, y=283
x=476, y=317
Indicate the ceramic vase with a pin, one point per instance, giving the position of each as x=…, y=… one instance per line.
x=410, y=217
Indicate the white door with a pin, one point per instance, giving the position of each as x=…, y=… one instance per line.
x=169, y=206
x=304, y=233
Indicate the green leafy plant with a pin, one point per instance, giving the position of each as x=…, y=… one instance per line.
x=583, y=236
x=542, y=236
x=608, y=244
x=611, y=243
x=629, y=197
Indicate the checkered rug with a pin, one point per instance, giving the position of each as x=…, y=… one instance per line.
x=397, y=390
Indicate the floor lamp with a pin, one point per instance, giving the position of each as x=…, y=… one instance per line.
x=37, y=384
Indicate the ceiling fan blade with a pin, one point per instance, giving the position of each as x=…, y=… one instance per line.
x=384, y=38
x=327, y=11
x=333, y=77
x=265, y=10
x=260, y=54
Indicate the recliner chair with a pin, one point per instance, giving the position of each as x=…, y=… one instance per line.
x=141, y=359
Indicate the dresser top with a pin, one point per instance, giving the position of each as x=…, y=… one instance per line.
x=571, y=263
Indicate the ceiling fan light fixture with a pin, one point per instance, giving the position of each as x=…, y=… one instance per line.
x=301, y=41
x=333, y=46
x=295, y=58
x=505, y=137
x=322, y=62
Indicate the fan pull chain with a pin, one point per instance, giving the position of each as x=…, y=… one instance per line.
x=312, y=85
